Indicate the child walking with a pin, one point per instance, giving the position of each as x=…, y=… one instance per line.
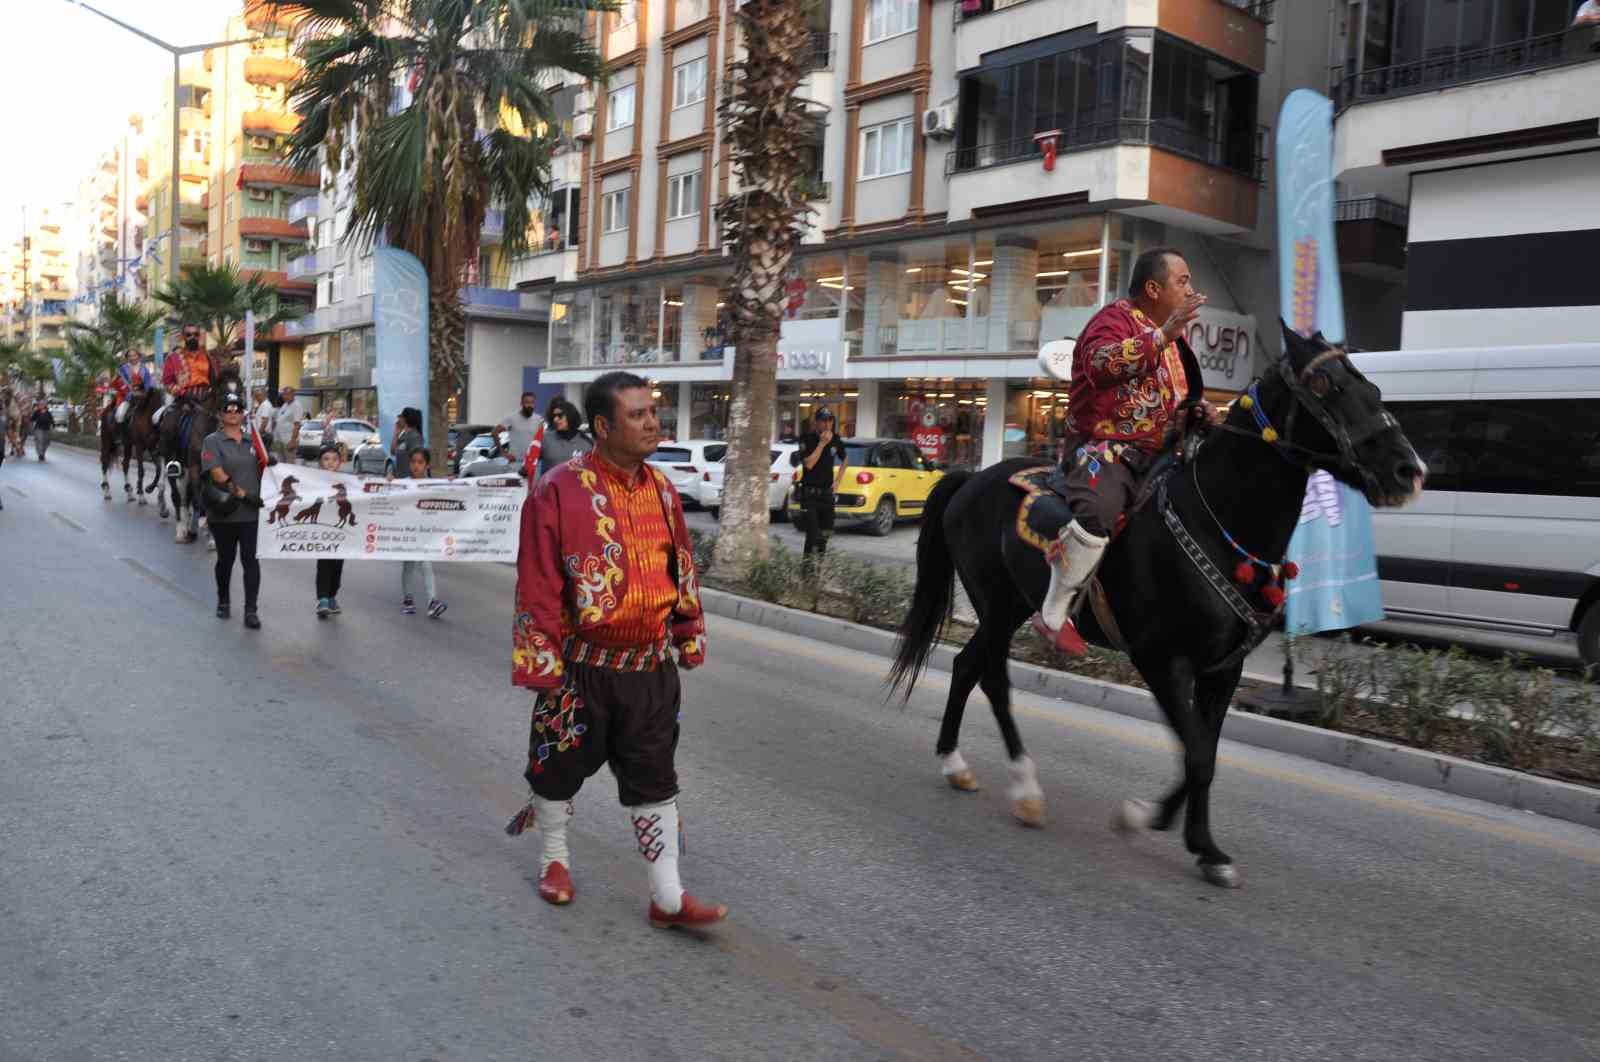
x=329, y=572
x=419, y=574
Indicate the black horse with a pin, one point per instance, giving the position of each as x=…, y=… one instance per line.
x=1236, y=498
x=181, y=454
x=133, y=439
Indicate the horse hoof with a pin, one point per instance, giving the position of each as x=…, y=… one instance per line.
x=1223, y=875
x=143, y=502
x=1029, y=811
x=1133, y=816
x=964, y=780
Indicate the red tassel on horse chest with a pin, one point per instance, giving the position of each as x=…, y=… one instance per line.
x=1244, y=574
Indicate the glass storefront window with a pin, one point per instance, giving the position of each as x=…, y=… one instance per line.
x=1036, y=420
x=797, y=400
x=666, y=396
x=571, y=318
x=708, y=411
x=627, y=328
x=942, y=418
x=816, y=288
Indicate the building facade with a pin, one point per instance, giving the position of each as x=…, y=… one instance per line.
x=1467, y=146
x=193, y=177
x=943, y=250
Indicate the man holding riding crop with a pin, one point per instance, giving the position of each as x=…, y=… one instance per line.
x=1131, y=372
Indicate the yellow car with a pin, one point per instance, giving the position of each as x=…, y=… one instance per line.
x=884, y=480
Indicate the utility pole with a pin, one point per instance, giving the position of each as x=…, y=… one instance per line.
x=178, y=52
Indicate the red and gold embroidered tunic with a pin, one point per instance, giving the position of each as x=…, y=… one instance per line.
x=1126, y=385
x=605, y=575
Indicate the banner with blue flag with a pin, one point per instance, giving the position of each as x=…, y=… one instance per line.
x=400, y=317
x=1333, y=546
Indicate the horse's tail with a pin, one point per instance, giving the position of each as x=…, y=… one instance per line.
x=934, y=595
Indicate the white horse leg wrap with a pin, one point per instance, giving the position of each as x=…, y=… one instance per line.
x=952, y=763
x=1024, y=780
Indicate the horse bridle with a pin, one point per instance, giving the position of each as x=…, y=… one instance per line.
x=1302, y=389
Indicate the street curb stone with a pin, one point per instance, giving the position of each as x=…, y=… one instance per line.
x=1381, y=759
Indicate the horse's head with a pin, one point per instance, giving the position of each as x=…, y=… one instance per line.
x=1318, y=410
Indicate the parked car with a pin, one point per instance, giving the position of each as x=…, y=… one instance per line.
x=372, y=458
x=885, y=480
x=683, y=462
x=484, y=456
x=59, y=410
x=1506, y=535
x=349, y=433
x=457, y=435
x=710, y=485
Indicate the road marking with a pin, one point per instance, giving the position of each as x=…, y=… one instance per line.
x=161, y=580
x=1146, y=737
x=70, y=522
x=19, y=492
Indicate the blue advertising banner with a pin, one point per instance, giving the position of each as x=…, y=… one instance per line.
x=400, y=319
x=1333, y=545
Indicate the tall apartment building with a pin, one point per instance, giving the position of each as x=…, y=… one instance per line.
x=943, y=251
x=51, y=267
x=193, y=176
x=1467, y=144
x=99, y=232
x=250, y=187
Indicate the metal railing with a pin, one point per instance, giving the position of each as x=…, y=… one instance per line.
x=819, y=55
x=1371, y=208
x=1245, y=159
x=1262, y=10
x=815, y=189
x=1459, y=68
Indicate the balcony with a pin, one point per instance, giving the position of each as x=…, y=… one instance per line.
x=822, y=50
x=1247, y=159
x=313, y=264
x=1371, y=232
x=349, y=313
x=280, y=281
x=271, y=228
x=1579, y=44
x=269, y=175
x=269, y=123
x=306, y=209
x=494, y=227
x=193, y=214
x=558, y=265
x=1233, y=29
x=271, y=69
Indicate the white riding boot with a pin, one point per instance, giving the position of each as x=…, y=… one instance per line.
x=1073, y=558
x=655, y=829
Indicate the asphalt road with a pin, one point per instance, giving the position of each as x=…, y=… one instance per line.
x=221, y=844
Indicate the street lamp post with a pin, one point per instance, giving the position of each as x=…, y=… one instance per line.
x=178, y=51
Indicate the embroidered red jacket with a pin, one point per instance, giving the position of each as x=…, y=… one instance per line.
x=1125, y=385
x=574, y=574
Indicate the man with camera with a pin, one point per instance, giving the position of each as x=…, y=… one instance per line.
x=232, y=462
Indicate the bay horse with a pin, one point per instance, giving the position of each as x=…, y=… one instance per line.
x=1175, y=605
x=133, y=440
x=182, y=456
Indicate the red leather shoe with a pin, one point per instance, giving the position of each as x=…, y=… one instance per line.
x=1067, y=640
x=555, y=885
x=692, y=915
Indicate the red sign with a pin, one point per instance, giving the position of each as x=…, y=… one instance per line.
x=930, y=441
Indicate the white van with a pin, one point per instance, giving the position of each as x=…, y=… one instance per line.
x=1506, y=535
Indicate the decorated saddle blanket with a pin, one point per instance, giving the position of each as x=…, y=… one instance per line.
x=1045, y=509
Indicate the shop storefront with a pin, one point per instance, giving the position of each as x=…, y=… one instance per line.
x=1036, y=419
x=943, y=418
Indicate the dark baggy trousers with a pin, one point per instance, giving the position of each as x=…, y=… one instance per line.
x=330, y=573
x=628, y=719
x=816, y=509
x=237, y=540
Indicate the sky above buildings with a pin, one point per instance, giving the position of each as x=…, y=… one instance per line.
x=71, y=79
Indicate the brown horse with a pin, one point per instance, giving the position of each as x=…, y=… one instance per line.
x=134, y=439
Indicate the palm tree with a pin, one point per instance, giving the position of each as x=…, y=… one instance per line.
x=89, y=357
x=216, y=299
x=425, y=173
x=767, y=125
x=124, y=325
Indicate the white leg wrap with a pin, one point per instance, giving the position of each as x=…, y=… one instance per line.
x=655, y=829
x=1024, y=780
x=1080, y=555
x=952, y=764
x=553, y=817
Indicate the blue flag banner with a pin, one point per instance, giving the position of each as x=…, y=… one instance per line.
x=400, y=319
x=1333, y=546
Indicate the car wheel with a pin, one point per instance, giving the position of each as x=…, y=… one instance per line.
x=1589, y=638
x=882, y=521
x=780, y=515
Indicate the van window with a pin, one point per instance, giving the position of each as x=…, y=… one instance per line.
x=1536, y=446
x=1435, y=430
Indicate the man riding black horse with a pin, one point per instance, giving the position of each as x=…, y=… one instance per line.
x=1130, y=376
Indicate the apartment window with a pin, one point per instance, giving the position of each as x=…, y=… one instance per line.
x=619, y=108
x=628, y=13
x=341, y=222
x=683, y=195
x=364, y=270
x=340, y=275
x=890, y=18
x=689, y=82
x=260, y=144
x=257, y=247
x=230, y=210
x=886, y=149
x=614, y=211
x=259, y=195
x=325, y=232
x=324, y=290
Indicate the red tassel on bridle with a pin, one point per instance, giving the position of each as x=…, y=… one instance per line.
x=1245, y=574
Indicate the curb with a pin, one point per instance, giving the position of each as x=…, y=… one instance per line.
x=1381, y=759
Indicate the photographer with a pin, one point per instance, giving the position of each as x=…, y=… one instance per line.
x=232, y=465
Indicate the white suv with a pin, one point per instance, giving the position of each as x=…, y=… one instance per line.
x=684, y=463
x=779, y=483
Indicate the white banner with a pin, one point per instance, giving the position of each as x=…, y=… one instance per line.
x=310, y=514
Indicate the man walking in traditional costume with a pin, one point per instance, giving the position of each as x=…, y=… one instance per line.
x=1129, y=376
x=606, y=593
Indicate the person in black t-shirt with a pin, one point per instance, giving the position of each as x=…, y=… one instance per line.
x=819, y=450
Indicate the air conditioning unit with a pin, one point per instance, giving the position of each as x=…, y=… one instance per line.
x=939, y=123
x=583, y=127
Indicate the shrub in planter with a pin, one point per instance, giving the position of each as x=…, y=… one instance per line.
x=704, y=546
x=876, y=594
x=1344, y=679
x=1414, y=692
x=1518, y=711
x=775, y=576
